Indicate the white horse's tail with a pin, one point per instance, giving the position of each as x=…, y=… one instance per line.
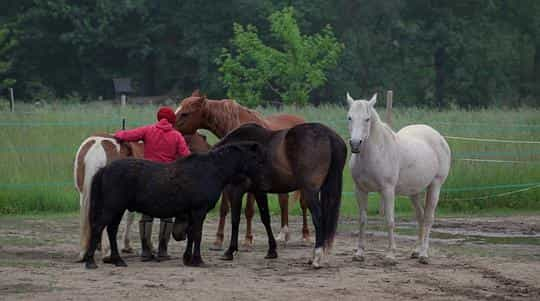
x=91, y=156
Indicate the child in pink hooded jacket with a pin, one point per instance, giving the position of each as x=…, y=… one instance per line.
x=162, y=143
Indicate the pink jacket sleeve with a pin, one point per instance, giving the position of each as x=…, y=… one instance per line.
x=183, y=149
x=132, y=135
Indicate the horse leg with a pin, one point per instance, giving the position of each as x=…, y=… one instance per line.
x=249, y=212
x=223, y=210
x=417, y=203
x=362, y=200
x=188, y=253
x=112, y=231
x=305, y=229
x=283, y=235
x=130, y=216
x=85, y=230
x=198, y=220
x=312, y=198
x=432, y=198
x=264, y=212
x=145, y=234
x=236, y=209
x=388, y=198
x=95, y=235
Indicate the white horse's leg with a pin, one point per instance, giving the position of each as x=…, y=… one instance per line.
x=388, y=197
x=127, y=242
x=362, y=199
x=417, y=203
x=432, y=198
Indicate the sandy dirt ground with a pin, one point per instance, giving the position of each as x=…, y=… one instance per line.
x=37, y=262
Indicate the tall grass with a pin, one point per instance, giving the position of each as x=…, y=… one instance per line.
x=38, y=145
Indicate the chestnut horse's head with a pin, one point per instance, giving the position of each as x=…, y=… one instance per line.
x=189, y=115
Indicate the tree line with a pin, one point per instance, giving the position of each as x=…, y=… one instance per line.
x=439, y=53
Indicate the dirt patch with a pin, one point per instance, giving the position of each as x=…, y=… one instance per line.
x=37, y=262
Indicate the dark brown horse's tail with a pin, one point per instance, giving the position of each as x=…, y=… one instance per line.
x=96, y=201
x=331, y=191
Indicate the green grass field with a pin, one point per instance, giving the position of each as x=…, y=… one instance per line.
x=38, y=145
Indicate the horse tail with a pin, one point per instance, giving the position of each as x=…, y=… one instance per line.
x=96, y=201
x=331, y=191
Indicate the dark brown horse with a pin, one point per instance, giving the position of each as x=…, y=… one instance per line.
x=221, y=117
x=309, y=157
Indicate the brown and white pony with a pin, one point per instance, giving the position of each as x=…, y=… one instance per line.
x=94, y=153
x=221, y=117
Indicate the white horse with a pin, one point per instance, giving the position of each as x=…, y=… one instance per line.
x=415, y=159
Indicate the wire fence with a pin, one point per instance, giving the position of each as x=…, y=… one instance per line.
x=480, y=157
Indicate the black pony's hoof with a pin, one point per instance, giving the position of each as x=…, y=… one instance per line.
x=120, y=263
x=196, y=262
x=90, y=265
x=147, y=258
x=163, y=258
x=227, y=256
x=271, y=255
x=186, y=259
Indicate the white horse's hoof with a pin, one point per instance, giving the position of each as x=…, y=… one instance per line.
x=359, y=258
x=423, y=260
x=390, y=259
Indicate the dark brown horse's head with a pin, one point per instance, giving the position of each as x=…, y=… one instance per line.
x=189, y=115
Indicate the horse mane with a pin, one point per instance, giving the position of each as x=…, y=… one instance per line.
x=226, y=115
x=383, y=125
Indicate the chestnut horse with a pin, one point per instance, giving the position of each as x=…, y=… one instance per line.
x=94, y=153
x=221, y=117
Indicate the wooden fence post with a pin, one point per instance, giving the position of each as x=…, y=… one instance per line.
x=123, y=100
x=11, y=100
x=389, y=95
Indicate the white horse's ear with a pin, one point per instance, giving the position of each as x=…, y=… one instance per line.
x=373, y=100
x=350, y=100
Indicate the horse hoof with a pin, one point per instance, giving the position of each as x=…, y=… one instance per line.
x=196, y=262
x=216, y=247
x=271, y=255
x=415, y=255
x=120, y=263
x=227, y=257
x=147, y=258
x=128, y=250
x=315, y=265
x=107, y=259
x=390, y=260
x=162, y=258
x=186, y=259
x=423, y=260
x=91, y=265
x=359, y=258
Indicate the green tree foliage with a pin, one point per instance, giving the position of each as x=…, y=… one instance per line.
x=6, y=45
x=291, y=70
x=430, y=52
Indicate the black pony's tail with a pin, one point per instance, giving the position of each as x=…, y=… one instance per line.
x=96, y=200
x=331, y=191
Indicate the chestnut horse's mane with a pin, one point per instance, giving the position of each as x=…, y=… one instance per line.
x=227, y=115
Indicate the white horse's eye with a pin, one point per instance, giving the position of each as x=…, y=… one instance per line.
x=367, y=119
x=349, y=118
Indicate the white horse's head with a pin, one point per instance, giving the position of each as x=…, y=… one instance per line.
x=359, y=118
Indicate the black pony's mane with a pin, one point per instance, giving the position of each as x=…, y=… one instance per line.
x=250, y=132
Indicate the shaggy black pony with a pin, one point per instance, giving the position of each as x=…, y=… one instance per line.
x=188, y=187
